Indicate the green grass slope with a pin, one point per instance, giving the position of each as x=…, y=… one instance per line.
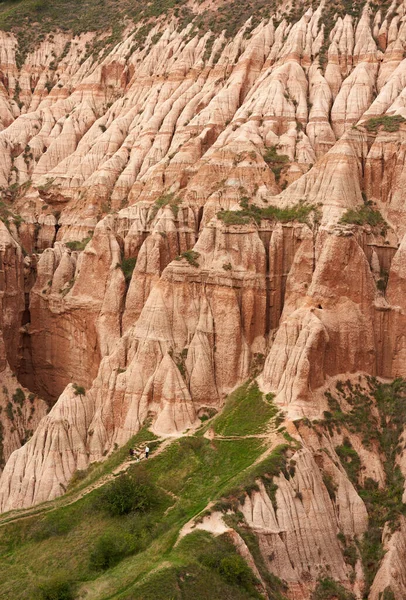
x=118, y=541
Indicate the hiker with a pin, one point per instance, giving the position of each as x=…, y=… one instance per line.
x=131, y=452
x=146, y=451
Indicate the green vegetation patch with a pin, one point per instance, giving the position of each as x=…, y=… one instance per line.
x=275, y=161
x=191, y=256
x=84, y=478
x=79, y=390
x=246, y=412
x=364, y=215
x=197, y=468
x=131, y=491
x=121, y=537
x=19, y=397
x=388, y=594
x=340, y=8
x=167, y=199
x=250, y=212
x=78, y=245
x=328, y=589
x=57, y=588
x=275, y=587
x=204, y=567
x=349, y=459
x=127, y=266
x=87, y=540
x=386, y=122
x=6, y=214
x=32, y=20
x=272, y=466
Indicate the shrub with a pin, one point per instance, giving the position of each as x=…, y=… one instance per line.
x=192, y=443
x=275, y=161
x=19, y=396
x=9, y=411
x=388, y=594
x=131, y=491
x=191, y=256
x=350, y=555
x=235, y=571
x=382, y=282
x=327, y=589
x=56, y=589
x=110, y=548
x=363, y=215
x=299, y=212
x=271, y=156
x=330, y=485
x=54, y=524
x=79, y=390
x=78, y=475
x=127, y=266
x=372, y=553
x=231, y=566
x=349, y=459
x=208, y=413
x=233, y=217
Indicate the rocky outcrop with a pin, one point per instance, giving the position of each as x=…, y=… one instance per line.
x=391, y=575
x=12, y=303
x=20, y=411
x=297, y=531
x=56, y=450
x=75, y=313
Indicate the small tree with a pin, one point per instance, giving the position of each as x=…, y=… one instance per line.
x=79, y=390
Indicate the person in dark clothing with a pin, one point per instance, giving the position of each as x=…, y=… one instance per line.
x=132, y=454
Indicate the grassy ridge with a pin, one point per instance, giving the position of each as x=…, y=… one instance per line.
x=189, y=473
